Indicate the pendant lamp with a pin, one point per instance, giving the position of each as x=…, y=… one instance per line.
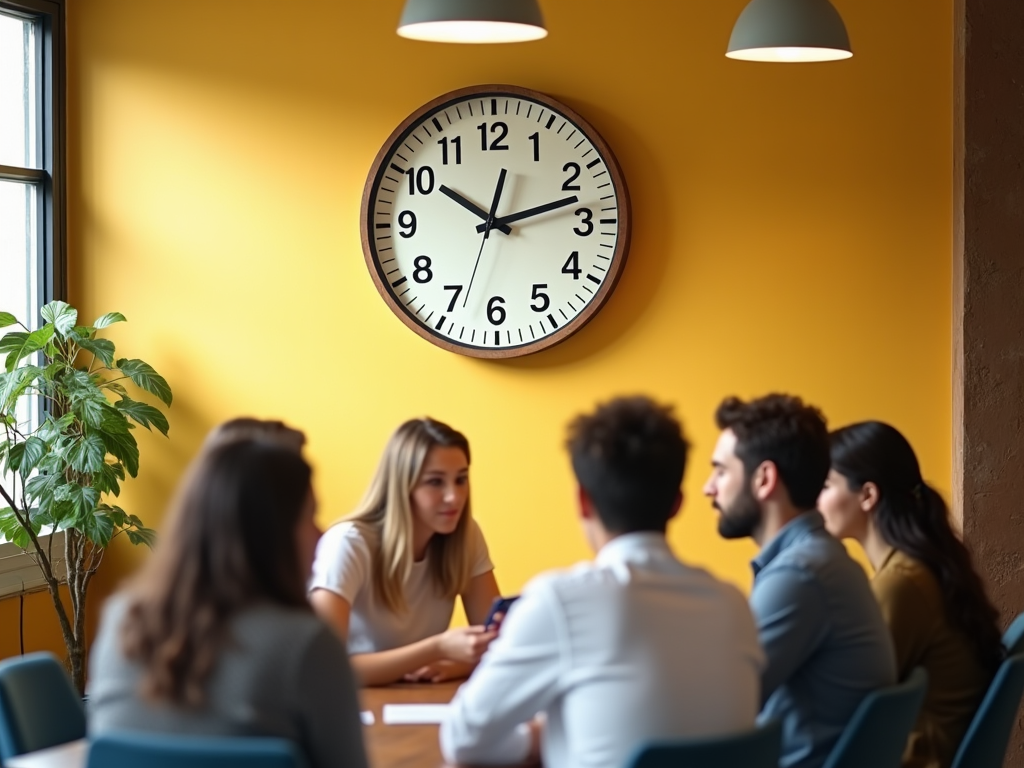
x=789, y=31
x=472, y=21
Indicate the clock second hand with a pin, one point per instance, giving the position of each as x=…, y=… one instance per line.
x=488, y=224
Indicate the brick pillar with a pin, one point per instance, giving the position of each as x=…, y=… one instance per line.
x=988, y=299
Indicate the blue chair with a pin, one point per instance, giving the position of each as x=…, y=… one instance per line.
x=877, y=734
x=984, y=744
x=39, y=707
x=1013, y=638
x=131, y=750
x=759, y=748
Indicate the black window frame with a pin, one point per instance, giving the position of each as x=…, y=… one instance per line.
x=50, y=176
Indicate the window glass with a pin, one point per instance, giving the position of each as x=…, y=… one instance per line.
x=19, y=92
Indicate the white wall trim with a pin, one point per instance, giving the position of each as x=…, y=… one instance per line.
x=20, y=574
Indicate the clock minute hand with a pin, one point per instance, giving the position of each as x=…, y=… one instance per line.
x=472, y=207
x=514, y=217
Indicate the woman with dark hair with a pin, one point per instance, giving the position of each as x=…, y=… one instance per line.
x=386, y=577
x=931, y=597
x=215, y=635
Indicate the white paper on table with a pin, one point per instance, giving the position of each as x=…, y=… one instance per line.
x=367, y=718
x=413, y=714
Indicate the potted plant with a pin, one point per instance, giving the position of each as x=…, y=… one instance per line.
x=60, y=470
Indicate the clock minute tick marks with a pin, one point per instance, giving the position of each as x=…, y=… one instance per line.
x=582, y=141
x=606, y=258
x=459, y=113
x=406, y=145
x=561, y=127
x=528, y=111
x=520, y=335
x=417, y=138
x=580, y=298
x=564, y=316
x=587, y=288
x=404, y=158
x=598, y=266
x=532, y=336
x=570, y=135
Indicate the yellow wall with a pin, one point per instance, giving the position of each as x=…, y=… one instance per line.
x=792, y=232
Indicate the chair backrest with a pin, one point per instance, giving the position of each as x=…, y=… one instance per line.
x=759, y=748
x=152, y=750
x=39, y=707
x=1013, y=638
x=984, y=744
x=877, y=733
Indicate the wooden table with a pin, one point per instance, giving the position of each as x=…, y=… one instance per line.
x=388, y=746
x=403, y=746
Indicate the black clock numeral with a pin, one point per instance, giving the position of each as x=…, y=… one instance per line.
x=587, y=222
x=421, y=180
x=535, y=138
x=457, y=143
x=572, y=265
x=455, y=296
x=538, y=293
x=422, y=273
x=567, y=185
x=407, y=221
x=498, y=127
x=496, y=312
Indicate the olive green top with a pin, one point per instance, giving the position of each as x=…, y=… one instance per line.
x=912, y=603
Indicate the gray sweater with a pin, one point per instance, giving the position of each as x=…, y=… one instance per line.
x=285, y=674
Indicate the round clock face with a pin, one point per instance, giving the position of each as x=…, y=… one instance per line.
x=495, y=221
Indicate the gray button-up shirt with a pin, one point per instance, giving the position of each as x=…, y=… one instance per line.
x=824, y=636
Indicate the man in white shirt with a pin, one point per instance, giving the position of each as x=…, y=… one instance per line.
x=630, y=648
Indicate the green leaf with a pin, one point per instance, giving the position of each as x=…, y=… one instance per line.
x=143, y=414
x=125, y=449
x=103, y=349
x=6, y=318
x=117, y=515
x=106, y=480
x=113, y=386
x=97, y=527
x=14, y=456
x=35, y=449
x=91, y=412
x=145, y=536
x=33, y=342
x=14, y=384
x=62, y=315
x=144, y=376
x=12, y=340
x=40, y=486
x=12, y=530
x=86, y=456
x=109, y=319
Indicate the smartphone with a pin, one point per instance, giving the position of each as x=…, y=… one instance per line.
x=500, y=605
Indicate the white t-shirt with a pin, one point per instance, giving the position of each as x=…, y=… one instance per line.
x=343, y=566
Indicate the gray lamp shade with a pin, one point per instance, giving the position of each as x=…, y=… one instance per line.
x=472, y=21
x=789, y=31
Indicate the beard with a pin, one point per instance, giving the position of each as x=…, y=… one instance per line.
x=741, y=518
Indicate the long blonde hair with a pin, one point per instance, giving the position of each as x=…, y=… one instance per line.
x=386, y=509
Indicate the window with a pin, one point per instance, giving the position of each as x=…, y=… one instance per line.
x=32, y=195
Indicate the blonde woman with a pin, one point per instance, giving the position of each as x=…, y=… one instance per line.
x=387, y=576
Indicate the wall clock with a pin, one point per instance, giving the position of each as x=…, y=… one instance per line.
x=495, y=221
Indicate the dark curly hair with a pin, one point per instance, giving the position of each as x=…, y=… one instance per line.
x=629, y=456
x=783, y=430
x=912, y=517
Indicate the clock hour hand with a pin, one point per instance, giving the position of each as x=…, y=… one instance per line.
x=473, y=208
x=514, y=217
